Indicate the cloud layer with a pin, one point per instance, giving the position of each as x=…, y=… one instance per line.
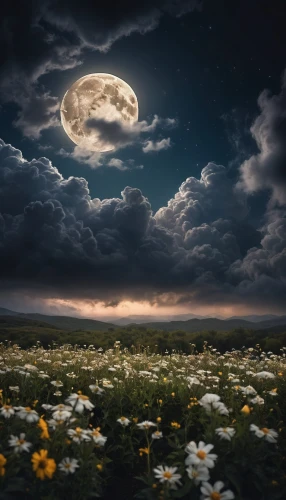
x=55, y=240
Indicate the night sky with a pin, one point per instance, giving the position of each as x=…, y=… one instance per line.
x=197, y=226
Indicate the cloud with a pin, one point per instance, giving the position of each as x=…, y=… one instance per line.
x=120, y=165
x=41, y=36
x=266, y=170
x=81, y=155
x=121, y=134
x=98, y=28
x=150, y=146
x=57, y=241
x=37, y=113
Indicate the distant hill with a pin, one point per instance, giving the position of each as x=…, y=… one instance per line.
x=256, y=317
x=196, y=325
x=142, y=318
x=7, y=321
x=61, y=322
x=184, y=322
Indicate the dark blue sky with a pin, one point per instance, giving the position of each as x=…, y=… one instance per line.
x=220, y=245
x=198, y=68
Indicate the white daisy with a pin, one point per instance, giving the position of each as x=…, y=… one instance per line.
x=210, y=492
x=248, y=390
x=68, y=465
x=146, y=425
x=269, y=434
x=79, y=402
x=273, y=392
x=96, y=390
x=168, y=474
x=257, y=400
x=157, y=435
x=57, y=383
x=199, y=455
x=225, y=432
x=78, y=435
x=123, y=421
x=264, y=375
x=19, y=443
x=7, y=411
x=97, y=437
x=61, y=415
x=28, y=414
x=198, y=474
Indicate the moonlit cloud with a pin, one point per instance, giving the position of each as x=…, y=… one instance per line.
x=266, y=171
x=122, y=134
x=120, y=165
x=150, y=146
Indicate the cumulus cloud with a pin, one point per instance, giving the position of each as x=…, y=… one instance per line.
x=121, y=134
x=150, y=146
x=56, y=240
x=41, y=36
x=81, y=155
x=266, y=170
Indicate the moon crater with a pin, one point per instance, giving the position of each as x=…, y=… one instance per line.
x=100, y=96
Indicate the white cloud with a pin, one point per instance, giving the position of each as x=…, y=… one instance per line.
x=150, y=146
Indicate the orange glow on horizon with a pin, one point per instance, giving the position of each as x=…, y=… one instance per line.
x=93, y=310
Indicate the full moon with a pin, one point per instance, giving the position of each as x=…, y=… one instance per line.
x=99, y=96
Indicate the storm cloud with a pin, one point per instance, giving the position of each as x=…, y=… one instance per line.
x=266, y=170
x=55, y=240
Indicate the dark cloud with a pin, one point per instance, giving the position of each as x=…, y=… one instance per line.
x=55, y=240
x=121, y=134
x=41, y=36
x=266, y=170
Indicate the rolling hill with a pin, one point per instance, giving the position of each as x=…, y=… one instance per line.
x=60, y=322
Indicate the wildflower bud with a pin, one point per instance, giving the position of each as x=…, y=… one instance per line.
x=173, y=394
x=99, y=467
x=154, y=485
x=158, y=419
x=245, y=410
x=160, y=401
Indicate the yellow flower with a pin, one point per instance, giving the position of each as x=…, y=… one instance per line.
x=173, y=394
x=158, y=419
x=99, y=467
x=160, y=401
x=144, y=450
x=220, y=373
x=135, y=420
x=175, y=425
x=3, y=461
x=280, y=374
x=245, y=410
x=44, y=427
x=42, y=465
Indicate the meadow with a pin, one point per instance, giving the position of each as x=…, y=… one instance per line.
x=87, y=422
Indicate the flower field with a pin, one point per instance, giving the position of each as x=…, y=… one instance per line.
x=80, y=423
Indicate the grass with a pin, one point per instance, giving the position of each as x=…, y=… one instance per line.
x=110, y=388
